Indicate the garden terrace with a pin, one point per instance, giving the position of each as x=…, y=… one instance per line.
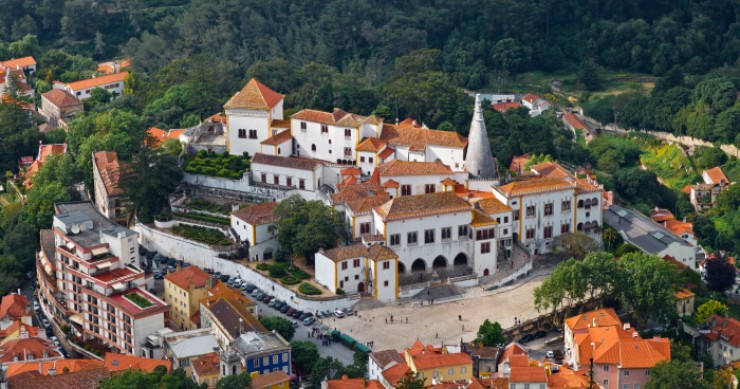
x=206, y=235
x=207, y=206
x=217, y=165
x=140, y=301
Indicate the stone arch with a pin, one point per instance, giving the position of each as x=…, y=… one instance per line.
x=579, y=227
x=401, y=268
x=439, y=263
x=418, y=265
x=461, y=260
x=361, y=287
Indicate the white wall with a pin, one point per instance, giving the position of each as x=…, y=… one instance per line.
x=450, y=156
x=247, y=120
x=86, y=93
x=418, y=182
x=311, y=177
x=143, y=327
x=367, y=161
x=381, y=275
x=329, y=145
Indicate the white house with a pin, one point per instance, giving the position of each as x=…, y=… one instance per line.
x=359, y=269
x=503, y=216
x=251, y=114
x=254, y=224
x=407, y=178
x=536, y=104
x=112, y=83
x=288, y=172
x=27, y=64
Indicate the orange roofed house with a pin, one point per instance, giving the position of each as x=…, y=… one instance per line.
x=432, y=364
x=621, y=357
x=722, y=340
x=183, y=291
x=156, y=137
x=110, y=198
x=44, y=152
x=254, y=224
x=58, y=106
x=112, y=83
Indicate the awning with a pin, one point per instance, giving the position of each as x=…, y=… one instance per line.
x=47, y=269
x=119, y=286
x=76, y=319
x=99, y=250
x=104, y=265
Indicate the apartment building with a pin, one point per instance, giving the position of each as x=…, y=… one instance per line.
x=183, y=291
x=100, y=286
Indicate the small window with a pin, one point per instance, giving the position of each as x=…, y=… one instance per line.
x=386, y=265
x=364, y=228
x=313, y=147
x=429, y=188
x=252, y=134
x=485, y=248
x=344, y=265
x=347, y=132
x=547, y=232
x=429, y=236
x=289, y=181
x=324, y=129
x=347, y=151
x=370, y=159
x=362, y=159
x=411, y=238
x=446, y=233
x=548, y=209
x=303, y=125
x=530, y=211
x=462, y=231
x=565, y=206
x=242, y=133
x=395, y=239
x=626, y=373
x=301, y=184
x=356, y=262
x=405, y=190
x=530, y=233
x=385, y=283
x=264, y=178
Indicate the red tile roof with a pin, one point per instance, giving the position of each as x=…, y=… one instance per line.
x=603, y=318
x=287, y=162
x=519, y=161
x=417, y=139
x=716, y=175
x=22, y=62
x=14, y=306
x=480, y=219
x=24, y=347
x=387, y=152
x=530, y=98
x=158, y=136
x=49, y=149
x=279, y=138
x=85, y=379
x=503, y=107
x=726, y=328
x=550, y=170
x=573, y=121
x=338, y=254
x=207, y=364
x=18, y=327
x=60, y=365
x=406, y=207
x=254, y=96
x=258, y=214
x=396, y=372
x=97, y=81
x=408, y=168
x=511, y=350
x=371, y=145
x=492, y=206
x=683, y=294
x=276, y=377
x=338, y=117
x=533, y=186
x=344, y=383
x=61, y=98
x=110, y=171
x=660, y=215
x=531, y=374
x=119, y=362
x=187, y=276
x=428, y=360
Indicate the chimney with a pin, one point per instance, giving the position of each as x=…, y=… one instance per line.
x=626, y=326
x=52, y=371
x=635, y=335
x=596, y=322
x=593, y=345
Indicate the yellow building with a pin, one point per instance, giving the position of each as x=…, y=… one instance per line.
x=273, y=380
x=183, y=290
x=205, y=369
x=433, y=364
x=684, y=302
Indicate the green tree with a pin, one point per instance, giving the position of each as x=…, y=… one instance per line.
x=305, y=354
x=282, y=325
x=611, y=238
x=172, y=146
x=709, y=157
x=305, y=226
x=239, y=381
x=491, y=334
x=159, y=378
x=149, y=181
x=719, y=274
x=708, y=309
x=675, y=374
x=648, y=286
x=100, y=96
x=589, y=76
x=574, y=245
x=40, y=200
x=21, y=241
x=680, y=351
x=410, y=380
x=326, y=368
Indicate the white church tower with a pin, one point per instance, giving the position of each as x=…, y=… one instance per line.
x=479, y=161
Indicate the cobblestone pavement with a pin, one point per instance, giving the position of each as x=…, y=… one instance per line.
x=439, y=323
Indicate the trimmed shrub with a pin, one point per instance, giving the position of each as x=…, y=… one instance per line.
x=341, y=292
x=308, y=289
x=263, y=266
x=277, y=271
x=298, y=273
x=289, y=280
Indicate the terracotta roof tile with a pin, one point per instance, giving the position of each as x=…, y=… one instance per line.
x=85, y=379
x=530, y=98
x=528, y=374
x=391, y=184
x=254, y=96
x=61, y=98
x=110, y=171
x=604, y=317
x=187, y=276
x=428, y=360
x=207, y=364
x=492, y=206
x=386, y=357
x=408, y=168
x=366, y=205
x=60, y=365
x=17, y=327
x=431, y=204
x=158, y=136
x=540, y=185
x=387, y=152
x=257, y=214
x=716, y=175
x=417, y=139
x=97, y=81
x=356, y=250
x=338, y=117
x=288, y=162
x=574, y=122
x=683, y=294
x=121, y=362
x=503, y=107
x=279, y=138
x=396, y=372
x=379, y=252
x=25, y=347
x=276, y=123
x=371, y=145
x=228, y=309
x=350, y=171
x=49, y=149
x=23, y=62
x=679, y=227
x=14, y=306
x=481, y=220
x=272, y=378
x=519, y=161
x=550, y=170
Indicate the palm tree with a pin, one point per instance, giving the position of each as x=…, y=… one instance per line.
x=610, y=236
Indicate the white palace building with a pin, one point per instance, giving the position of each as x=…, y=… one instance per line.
x=415, y=200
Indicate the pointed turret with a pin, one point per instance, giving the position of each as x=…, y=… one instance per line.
x=479, y=161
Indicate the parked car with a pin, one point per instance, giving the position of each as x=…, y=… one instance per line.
x=272, y=303
x=49, y=332
x=158, y=276
x=303, y=316
x=290, y=311
x=255, y=292
x=309, y=320
x=540, y=334
x=550, y=354
x=249, y=288
x=267, y=299
x=45, y=323
x=339, y=314
x=297, y=314
x=295, y=323
x=559, y=355
x=238, y=283
x=349, y=312
x=554, y=368
x=36, y=306
x=526, y=338
x=285, y=308
x=225, y=278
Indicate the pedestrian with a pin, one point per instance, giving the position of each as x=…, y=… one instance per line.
x=463, y=327
x=514, y=320
x=386, y=320
x=459, y=317
x=407, y=320
x=436, y=334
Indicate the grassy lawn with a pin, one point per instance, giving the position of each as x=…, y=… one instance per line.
x=670, y=164
x=202, y=234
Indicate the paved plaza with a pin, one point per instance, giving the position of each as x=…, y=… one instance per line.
x=439, y=323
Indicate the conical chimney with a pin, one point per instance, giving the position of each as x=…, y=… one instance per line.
x=479, y=161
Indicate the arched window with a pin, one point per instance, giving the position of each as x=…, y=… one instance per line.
x=580, y=203
x=313, y=147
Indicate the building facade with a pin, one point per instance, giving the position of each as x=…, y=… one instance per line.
x=183, y=291
x=110, y=199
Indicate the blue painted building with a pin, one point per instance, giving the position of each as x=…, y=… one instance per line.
x=263, y=352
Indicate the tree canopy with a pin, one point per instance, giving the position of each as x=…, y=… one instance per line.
x=491, y=334
x=305, y=226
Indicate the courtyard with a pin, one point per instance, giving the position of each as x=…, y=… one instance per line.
x=439, y=323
